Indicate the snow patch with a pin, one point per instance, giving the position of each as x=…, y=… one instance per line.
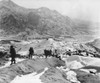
x=23, y=52
x=71, y=76
x=30, y=78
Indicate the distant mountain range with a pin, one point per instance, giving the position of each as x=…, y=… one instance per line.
x=16, y=21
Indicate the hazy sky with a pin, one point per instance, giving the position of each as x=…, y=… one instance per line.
x=83, y=9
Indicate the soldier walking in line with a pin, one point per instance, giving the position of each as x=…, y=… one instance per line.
x=69, y=53
x=12, y=55
x=31, y=52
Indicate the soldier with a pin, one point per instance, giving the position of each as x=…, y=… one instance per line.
x=31, y=52
x=79, y=52
x=12, y=55
x=47, y=53
x=69, y=52
x=50, y=52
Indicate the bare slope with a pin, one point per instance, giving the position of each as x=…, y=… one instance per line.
x=26, y=67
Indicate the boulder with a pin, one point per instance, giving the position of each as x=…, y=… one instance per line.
x=54, y=75
x=84, y=77
x=74, y=65
x=71, y=76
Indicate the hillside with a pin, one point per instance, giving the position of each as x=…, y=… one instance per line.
x=34, y=23
x=95, y=44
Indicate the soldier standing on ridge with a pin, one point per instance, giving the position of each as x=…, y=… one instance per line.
x=69, y=53
x=12, y=54
x=31, y=52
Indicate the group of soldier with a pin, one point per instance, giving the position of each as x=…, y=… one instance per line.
x=47, y=53
x=82, y=53
x=13, y=54
x=51, y=53
x=77, y=52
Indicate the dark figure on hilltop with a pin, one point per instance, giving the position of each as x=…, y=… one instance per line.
x=68, y=52
x=80, y=53
x=50, y=52
x=12, y=55
x=47, y=53
x=31, y=52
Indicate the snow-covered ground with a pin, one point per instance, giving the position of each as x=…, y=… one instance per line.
x=23, y=53
x=9, y=62
x=30, y=78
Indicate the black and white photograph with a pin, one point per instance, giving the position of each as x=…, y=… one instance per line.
x=49, y=41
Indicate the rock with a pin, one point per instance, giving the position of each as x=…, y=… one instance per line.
x=84, y=77
x=71, y=76
x=54, y=75
x=85, y=70
x=74, y=58
x=91, y=61
x=74, y=65
x=92, y=68
x=63, y=68
x=55, y=61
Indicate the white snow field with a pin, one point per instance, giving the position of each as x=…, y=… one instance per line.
x=30, y=78
x=27, y=67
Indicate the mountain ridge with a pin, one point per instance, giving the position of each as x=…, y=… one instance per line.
x=44, y=22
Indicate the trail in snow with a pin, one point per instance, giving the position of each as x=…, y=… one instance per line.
x=30, y=78
x=9, y=62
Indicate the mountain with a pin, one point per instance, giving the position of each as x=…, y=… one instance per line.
x=32, y=23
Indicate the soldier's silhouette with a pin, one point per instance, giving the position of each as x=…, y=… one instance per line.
x=31, y=52
x=46, y=53
x=12, y=54
x=69, y=53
